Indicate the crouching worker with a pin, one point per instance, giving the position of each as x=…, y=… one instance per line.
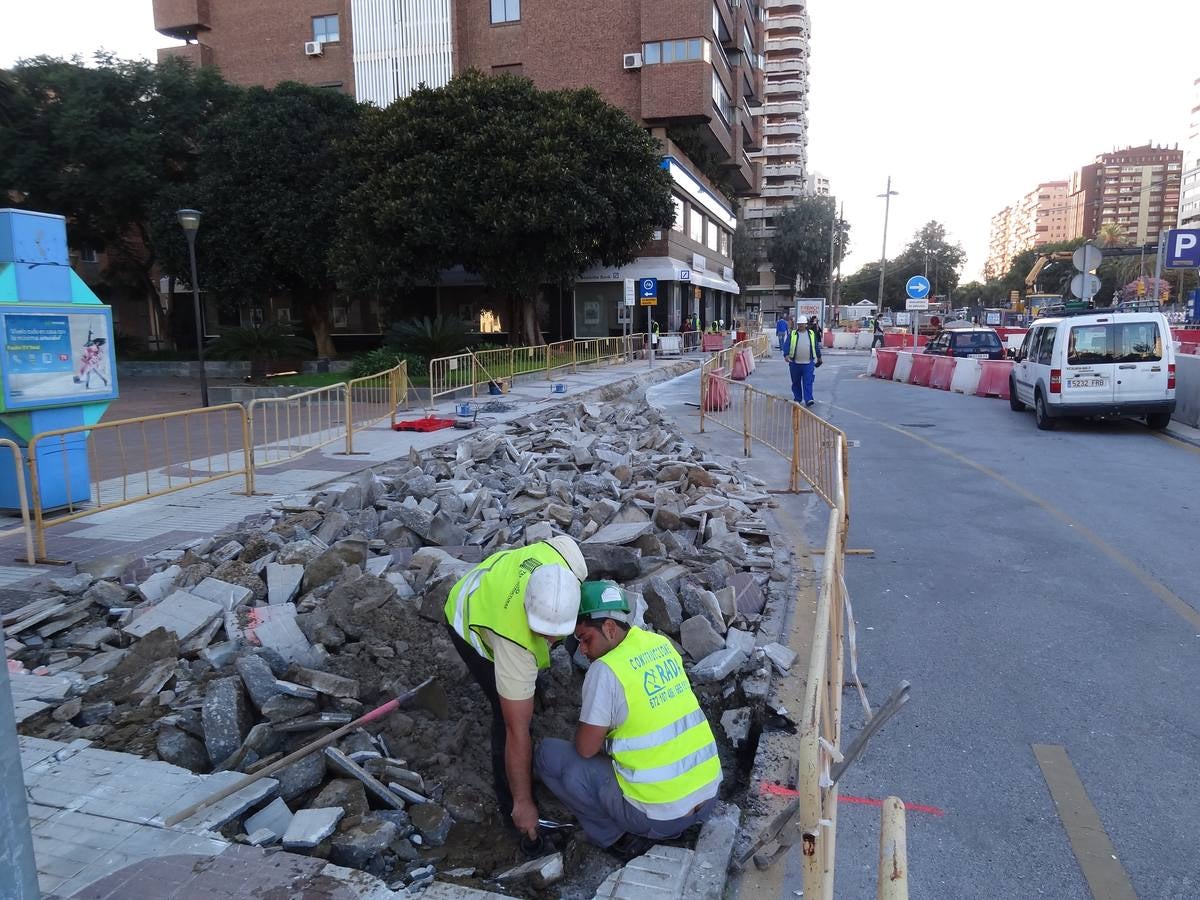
x=503, y=615
x=644, y=764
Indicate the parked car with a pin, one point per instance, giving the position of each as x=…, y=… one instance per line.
x=974, y=342
x=1097, y=363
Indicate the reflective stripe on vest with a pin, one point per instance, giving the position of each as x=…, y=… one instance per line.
x=664, y=751
x=492, y=596
x=794, y=345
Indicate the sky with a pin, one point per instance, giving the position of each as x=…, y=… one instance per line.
x=966, y=105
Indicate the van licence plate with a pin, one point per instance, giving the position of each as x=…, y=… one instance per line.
x=1087, y=382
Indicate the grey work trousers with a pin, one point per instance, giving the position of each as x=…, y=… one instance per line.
x=589, y=788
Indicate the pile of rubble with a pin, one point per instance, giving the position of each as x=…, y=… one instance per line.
x=228, y=653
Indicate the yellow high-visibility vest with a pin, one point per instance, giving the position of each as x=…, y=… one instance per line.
x=664, y=751
x=492, y=596
x=794, y=345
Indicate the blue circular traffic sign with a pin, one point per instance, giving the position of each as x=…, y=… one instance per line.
x=917, y=287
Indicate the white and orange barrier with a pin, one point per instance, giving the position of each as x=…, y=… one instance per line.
x=986, y=378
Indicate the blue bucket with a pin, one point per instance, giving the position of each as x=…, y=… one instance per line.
x=558, y=388
x=464, y=410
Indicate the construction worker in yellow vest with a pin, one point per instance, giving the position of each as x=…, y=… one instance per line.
x=503, y=616
x=644, y=765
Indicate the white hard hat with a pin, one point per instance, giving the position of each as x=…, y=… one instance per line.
x=552, y=600
x=569, y=551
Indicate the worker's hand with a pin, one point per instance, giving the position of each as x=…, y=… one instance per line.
x=525, y=818
x=818, y=362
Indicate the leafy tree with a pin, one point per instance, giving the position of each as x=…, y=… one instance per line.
x=1109, y=235
x=745, y=256
x=800, y=246
x=430, y=338
x=521, y=186
x=269, y=177
x=98, y=143
x=931, y=254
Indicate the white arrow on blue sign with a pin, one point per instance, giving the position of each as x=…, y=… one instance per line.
x=647, y=287
x=917, y=287
x=1183, y=248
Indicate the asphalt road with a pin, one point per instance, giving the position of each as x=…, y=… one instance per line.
x=1039, y=591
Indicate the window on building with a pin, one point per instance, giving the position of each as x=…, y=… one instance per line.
x=696, y=226
x=489, y=322
x=712, y=235
x=87, y=255
x=509, y=69
x=677, y=225
x=721, y=98
x=325, y=29
x=685, y=50
x=724, y=251
x=506, y=11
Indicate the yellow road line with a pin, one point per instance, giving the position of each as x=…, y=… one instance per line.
x=1190, y=448
x=1156, y=587
x=1093, y=850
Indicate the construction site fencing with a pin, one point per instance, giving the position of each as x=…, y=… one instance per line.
x=285, y=428
x=817, y=453
x=450, y=374
x=559, y=355
x=373, y=398
x=129, y=460
x=26, y=526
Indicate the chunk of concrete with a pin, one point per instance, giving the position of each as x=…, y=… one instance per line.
x=432, y=822
x=224, y=594
x=749, y=596
x=740, y=640
x=543, y=872
x=260, y=681
x=225, y=717
x=718, y=666
x=347, y=794
x=620, y=533
x=180, y=749
x=302, y=776
x=274, y=817
x=182, y=614
x=374, y=786
x=611, y=561
x=272, y=627
x=699, y=602
x=158, y=585
x=699, y=638
x=363, y=846
x=309, y=827
x=736, y=724
x=780, y=656
x=325, y=682
x=74, y=585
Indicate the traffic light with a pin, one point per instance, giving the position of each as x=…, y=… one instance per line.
x=1141, y=288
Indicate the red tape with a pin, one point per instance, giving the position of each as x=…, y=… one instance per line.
x=779, y=790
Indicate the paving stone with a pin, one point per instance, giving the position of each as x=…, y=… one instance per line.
x=738, y=639
x=363, y=846
x=780, y=656
x=324, y=682
x=749, y=596
x=158, y=585
x=274, y=628
x=611, y=561
x=275, y=817
x=281, y=708
x=226, y=595
x=658, y=873
x=182, y=614
x=308, y=827
x=260, y=681
x=620, y=533
x=302, y=776
x=226, y=718
x=347, y=794
x=699, y=602
x=432, y=822
x=180, y=749
x=699, y=638
x=663, y=609
x=542, y=872
x=717, y=666
x=74, y=585
x=376, y=788
x=706, y=874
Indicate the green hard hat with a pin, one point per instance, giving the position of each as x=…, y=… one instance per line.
x=603, y=600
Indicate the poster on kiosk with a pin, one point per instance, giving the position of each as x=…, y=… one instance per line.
x=57, y=369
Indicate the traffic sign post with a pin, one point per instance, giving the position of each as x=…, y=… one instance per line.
x=917, y=289
x=648, y=293
x=1183, y=248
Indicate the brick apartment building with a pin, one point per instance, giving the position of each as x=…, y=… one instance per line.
x=690, y=70
x=1038, y=218
x=1136, y=188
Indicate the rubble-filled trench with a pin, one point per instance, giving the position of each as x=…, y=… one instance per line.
x=233, y=651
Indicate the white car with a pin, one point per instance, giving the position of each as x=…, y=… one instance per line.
x=1095, y=362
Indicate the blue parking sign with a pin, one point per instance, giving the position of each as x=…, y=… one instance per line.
x=1183, y=248
x=647, y=288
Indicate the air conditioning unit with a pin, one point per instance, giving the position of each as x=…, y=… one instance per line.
x=313, y=48
x=633, y=61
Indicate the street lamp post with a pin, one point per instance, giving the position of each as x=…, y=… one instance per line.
x=189, y=220
x=887, y=205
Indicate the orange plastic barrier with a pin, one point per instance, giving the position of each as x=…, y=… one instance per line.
x=994, y=380
x=897, y=340
x=885, y=366
x=827, y=338
x=943, y=372
x=1188, y=348
x=740, y=372
x=718, y=393
x=922, y=369
x=750, y=364
x=712, y=343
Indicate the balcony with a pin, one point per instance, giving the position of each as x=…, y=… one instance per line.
x=787, y=151
x=787, y=20
x=197, y=54
x=777, y=169
x=778, y=44
x=788, y=108
x=791, y=66
x=782, y=129
x=791, y=87
x=795, y=5
x=182, y=19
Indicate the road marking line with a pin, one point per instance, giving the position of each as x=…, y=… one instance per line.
x=1183, y=445
x=1160, y=590
x=1093, y=850
x=780, y=791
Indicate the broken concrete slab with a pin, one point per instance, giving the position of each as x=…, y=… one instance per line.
x=308, y=827
x=699, y=638
x=182, y=614
x=347, y=766
x=781, y=657
x=542, y=872
x=432, y=822
x=749, y=596
x=717, y=666
x=738, y=639
x=347, y=794
x=324, y=682
x=260, y=681
x=272, y=627
x=275, y=817
x=620, y=532
x=226, y=718
x=224, y=594
x=736, y=724
x=158, y=585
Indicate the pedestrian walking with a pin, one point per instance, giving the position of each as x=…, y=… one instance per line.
x=803, y=356
x=877, y=338
x=504, y=643
x=782, y=329
x=643, y=766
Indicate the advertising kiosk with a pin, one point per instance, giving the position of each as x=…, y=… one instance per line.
x=56, y=361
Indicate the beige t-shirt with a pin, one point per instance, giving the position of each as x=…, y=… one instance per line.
x=516, y=669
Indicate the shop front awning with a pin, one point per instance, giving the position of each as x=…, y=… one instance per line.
x=664, y=268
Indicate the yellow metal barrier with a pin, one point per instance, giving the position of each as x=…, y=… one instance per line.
x=373, y=398
x=22, y=500
x=284, y=428
x=892, y=883
x=450, y=374
x=135, y=459
x=559, y=355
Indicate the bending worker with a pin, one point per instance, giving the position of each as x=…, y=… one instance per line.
x=803, y=356
x=504, y=644
x=644, y=764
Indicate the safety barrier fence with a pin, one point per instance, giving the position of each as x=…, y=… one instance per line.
x=130, y=460
x=449, y=375
x=817, y=453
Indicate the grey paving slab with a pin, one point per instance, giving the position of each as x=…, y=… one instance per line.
x=181, y=613
x=658, y=873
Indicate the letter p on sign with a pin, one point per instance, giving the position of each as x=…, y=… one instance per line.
x=1183, y=248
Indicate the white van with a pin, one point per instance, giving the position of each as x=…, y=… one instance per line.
x=1096, y=362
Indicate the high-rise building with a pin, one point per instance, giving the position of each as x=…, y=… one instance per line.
x=817, y=185
x=690, y=71
x=1189, y=197
x=1038, y=218
x=1136, y=189
x=785, y=141
x=999, y=256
